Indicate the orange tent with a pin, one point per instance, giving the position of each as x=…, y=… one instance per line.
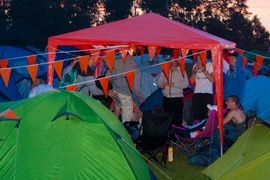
x=148, y=30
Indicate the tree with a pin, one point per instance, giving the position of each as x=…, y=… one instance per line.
x=260, y=38
x=33, y=21
x=161, y=7
x=117, y=9
x=3, y=23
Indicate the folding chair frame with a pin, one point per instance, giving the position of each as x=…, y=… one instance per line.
x=200, y=140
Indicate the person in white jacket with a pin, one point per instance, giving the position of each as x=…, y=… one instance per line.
x=172, y=90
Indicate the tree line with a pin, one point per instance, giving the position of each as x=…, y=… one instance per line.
x=32, y=22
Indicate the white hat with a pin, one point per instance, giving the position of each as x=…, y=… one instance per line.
x=212, y=107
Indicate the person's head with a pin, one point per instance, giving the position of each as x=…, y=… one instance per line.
x=72, y=61
x=37, y=82
x=232, y=102
x=199, y=59
x=233, y=58
x=174, y=64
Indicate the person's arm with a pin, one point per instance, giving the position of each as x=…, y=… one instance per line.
x=209, y=76
x=137, y=86
x=162, y=81
x=208, y=72
x=192, y=78
x=228, y=117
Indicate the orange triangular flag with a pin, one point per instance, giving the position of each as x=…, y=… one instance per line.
x=72, y=87
x=180, y=53
x=157, y=53
x=131, y=50
x=166, y=69
x=5, y=73
x=240, y=51
x=184, y=52
x=182, y=65
x=203, y=55
x=9, y=114
x=95, y=59
x=83, y=60
x=3, y=63
x=194, y=52
x=259, y=60
x=175, y=54
x=32, y=70
x=244, y=61
x=58, y=66
x=31, y=59
x=151, y=51
x=94, y=52
x=130, y=79
x=104, y=83
x=109, y=59
x=90, y=62
x=123, y=51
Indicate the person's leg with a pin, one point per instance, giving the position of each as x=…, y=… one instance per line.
x=117, y=112
x=196, y=106
x=117, y=107
x=178, y=110
x=207, y=99
x=167, y=105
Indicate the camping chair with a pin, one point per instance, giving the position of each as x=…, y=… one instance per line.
x=155, y=136
x=200, y=140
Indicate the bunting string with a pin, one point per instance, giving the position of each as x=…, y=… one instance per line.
x=121, y=74
x=104, y=56
x=257, y=63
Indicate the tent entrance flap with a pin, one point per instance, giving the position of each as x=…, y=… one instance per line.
x=68, y=115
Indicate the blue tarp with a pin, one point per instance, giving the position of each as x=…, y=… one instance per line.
x=19, y=82
x=256, y=96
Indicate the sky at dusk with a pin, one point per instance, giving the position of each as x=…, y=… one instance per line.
x=262, y=9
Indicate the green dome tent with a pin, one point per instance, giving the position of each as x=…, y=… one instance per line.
x=64, y=135
x=248, y=158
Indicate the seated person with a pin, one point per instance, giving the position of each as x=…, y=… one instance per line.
x=39, y=87
x=235, y=115
x=192, y=131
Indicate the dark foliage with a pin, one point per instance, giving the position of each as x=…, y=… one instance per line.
x=32, y=22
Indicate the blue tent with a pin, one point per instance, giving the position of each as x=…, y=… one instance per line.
x=256, y=97
x=19, y=82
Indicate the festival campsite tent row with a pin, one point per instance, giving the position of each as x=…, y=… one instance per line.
x=76, y=136
x=63, y=140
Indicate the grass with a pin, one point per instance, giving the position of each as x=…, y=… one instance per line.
x=178, y=169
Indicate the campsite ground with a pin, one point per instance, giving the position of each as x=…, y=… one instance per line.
x=178, y=169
